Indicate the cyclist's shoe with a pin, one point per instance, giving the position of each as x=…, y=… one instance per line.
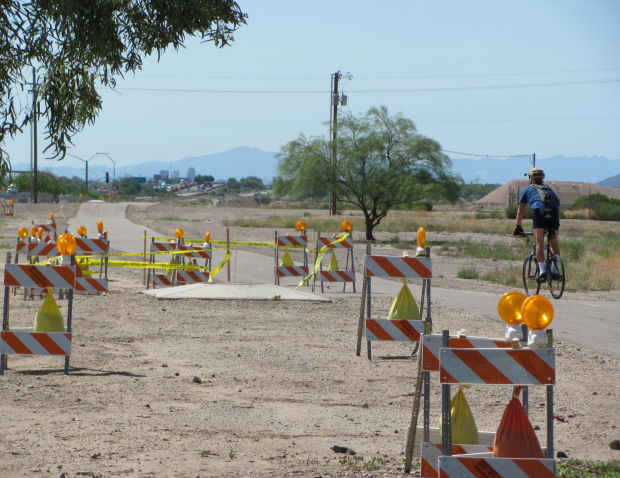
x=542, y=277
x=556, y=276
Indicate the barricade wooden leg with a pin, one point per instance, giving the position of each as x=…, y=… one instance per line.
x=5, y=326
x=413, y=425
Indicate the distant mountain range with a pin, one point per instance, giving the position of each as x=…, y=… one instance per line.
x=612, y=182
x=237, y=163
x=246, y=161
x=594, y=169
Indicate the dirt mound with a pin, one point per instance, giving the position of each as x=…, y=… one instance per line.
x=568, y=192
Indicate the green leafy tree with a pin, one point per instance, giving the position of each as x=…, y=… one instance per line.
x=382, y=162
x=233, y=185
x=203, y=179
x=251, y=183
x=47, y=183
x=129, y=187
x=77, y=46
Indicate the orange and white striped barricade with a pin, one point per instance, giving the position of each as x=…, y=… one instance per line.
x=194, y=254
x=476, y=466
x=393, y=330
x=50, y=233
x=7, y=208
x=94, y=247
x=154, y=278
x=430, y=346
x=36, y=249
x=429, y=457
x=290, y=243
x=192, y=277
x=494, y=366
x=346, y=275
x=24, y=341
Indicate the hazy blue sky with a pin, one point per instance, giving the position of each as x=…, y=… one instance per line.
x=455, y=68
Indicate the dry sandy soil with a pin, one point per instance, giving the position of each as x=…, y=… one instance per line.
x=199, y=388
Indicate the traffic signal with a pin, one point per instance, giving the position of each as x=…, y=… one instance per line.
x=107, y=177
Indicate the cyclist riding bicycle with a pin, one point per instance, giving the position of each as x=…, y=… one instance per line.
x=545, y=217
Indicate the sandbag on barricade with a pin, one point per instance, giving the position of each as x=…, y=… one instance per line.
x=464, y=429
x=287, y=260
x=515, y=437
x=333, y=262
x=404, y=306
x=49, y=318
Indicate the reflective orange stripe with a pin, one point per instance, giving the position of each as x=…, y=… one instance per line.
x=481, y=366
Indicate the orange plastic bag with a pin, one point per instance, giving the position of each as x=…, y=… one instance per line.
x=515, y=437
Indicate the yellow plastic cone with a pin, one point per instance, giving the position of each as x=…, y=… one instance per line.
x=49, y=318
x=333, y=262
x=464, y=429
x=404, y=306
x=287, y=260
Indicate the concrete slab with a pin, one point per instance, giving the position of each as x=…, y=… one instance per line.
x=234, y=291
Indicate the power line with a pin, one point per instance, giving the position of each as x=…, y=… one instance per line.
x=387, y=77
x=400, y=90
x=308, y=121
x=489, y=155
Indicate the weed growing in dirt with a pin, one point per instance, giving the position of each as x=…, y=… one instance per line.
x=232, y=454
x=176, y=219
x=482, y=250
x=468, y=273
x=357, y=463
x=509, y=275
x=588, y=469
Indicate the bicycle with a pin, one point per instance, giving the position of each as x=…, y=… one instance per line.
x=556, y=277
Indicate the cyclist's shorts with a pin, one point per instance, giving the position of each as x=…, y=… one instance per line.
x=546, y=218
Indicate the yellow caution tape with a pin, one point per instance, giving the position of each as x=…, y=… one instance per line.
x=319, y=258
x=215, y=271
x=232, y=243
x=154, y=265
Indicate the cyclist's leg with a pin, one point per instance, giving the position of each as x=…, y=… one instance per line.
x=555, y=244
x=539, y=239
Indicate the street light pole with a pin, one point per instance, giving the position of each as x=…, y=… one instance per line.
x=86, y=164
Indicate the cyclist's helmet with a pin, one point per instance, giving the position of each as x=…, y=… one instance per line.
x=536, y=174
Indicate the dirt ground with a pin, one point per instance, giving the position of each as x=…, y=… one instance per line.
x=197, y=388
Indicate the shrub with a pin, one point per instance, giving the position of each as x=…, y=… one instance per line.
x=607, y=211
x=511, y=211
x=468, y=273
x=490, y=214
x=585, y=202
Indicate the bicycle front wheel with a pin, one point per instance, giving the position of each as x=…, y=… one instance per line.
x=530, y=275
x=556, y=277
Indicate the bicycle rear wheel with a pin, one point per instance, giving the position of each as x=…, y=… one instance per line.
x=530, y=275
x=556, y=283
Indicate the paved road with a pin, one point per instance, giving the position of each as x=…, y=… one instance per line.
x=124, y=235
x=590, y=323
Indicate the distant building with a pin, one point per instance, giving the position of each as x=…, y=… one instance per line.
x=191, y=173
x=175, y=174
x=163, y=174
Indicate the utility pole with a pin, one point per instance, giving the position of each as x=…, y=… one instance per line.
x=35, y=114
x=336, y=99
x=533, y=160
x=334, y=124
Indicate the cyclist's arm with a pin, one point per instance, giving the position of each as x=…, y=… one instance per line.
x=520, y=213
